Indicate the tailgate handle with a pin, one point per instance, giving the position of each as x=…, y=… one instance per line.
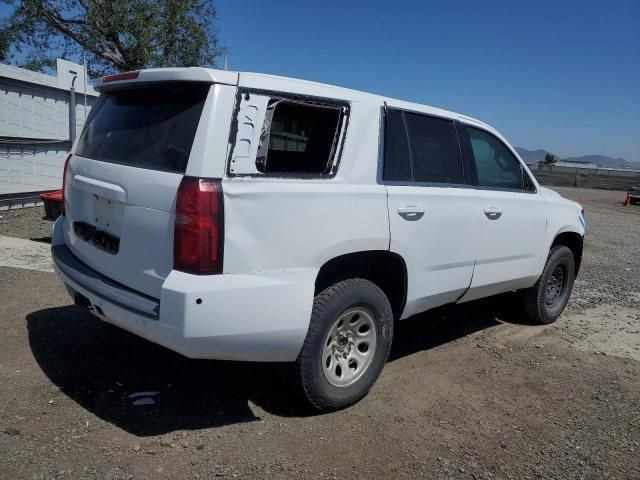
x=100, y=188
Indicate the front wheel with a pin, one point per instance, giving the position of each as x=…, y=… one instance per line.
x=347, y=344
x=545, y=301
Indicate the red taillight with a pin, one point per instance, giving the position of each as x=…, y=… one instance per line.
x=198, y=233
x=120, y=76
x=64, y=181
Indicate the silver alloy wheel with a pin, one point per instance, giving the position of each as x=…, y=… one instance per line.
x=555, y=286
x=349, y=347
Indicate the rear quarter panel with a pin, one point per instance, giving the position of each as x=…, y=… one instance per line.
x=281, y=223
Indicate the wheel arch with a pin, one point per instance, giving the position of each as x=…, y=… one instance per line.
x=386, y=269
x=574, y=241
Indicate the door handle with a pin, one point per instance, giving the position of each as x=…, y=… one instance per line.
x=412, y=212
x=492, y=213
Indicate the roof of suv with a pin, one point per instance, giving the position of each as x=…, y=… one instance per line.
x=269, y=82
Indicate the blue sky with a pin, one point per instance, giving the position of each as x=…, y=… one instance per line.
x=562, y=75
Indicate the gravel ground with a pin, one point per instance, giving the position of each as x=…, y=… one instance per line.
x=25, y=223
x=470, y=392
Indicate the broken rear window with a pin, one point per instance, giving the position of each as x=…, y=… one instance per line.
x=296, y=137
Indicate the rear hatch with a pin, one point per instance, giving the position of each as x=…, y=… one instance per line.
x=121, y=182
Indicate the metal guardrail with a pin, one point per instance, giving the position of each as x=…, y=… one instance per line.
x=12, y=201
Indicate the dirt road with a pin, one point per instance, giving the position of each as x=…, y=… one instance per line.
x=469, y=393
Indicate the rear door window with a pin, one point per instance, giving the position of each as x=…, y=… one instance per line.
x=434, y=149
x=397, y=160
x=150, y=127
x=421, y=149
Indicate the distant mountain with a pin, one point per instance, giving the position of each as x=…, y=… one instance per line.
x=534, y=156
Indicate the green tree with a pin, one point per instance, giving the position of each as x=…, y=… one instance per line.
x=550, y=159
x=113, y=35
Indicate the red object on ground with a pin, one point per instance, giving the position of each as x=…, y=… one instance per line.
x=631, y=199
x=52, y=204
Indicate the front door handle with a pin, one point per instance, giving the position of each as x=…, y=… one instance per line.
x=412, y=212
x=492, y=213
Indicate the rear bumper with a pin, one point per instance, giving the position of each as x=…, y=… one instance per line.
x=74, y=271
x=249, y=317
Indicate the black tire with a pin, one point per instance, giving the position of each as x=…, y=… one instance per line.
x=328, y=306
x=535, y=301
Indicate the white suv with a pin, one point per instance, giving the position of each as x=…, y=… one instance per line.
x=243, y=216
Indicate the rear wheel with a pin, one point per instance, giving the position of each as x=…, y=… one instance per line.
x=545, y=301
x=347, y=344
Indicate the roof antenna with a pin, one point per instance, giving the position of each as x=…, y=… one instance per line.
x=226, y=66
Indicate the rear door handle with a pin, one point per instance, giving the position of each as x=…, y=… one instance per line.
x=412, y=212
x=493, y=213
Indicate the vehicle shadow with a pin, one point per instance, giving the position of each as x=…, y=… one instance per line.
x=450, y=322
x=46, y=239
x=99, y=366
